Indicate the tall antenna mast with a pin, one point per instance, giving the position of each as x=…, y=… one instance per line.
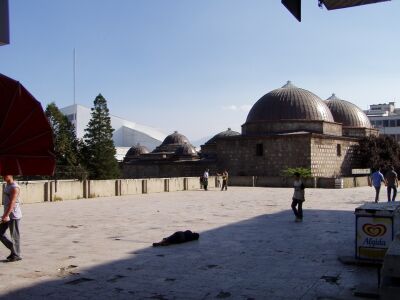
x=74, y=75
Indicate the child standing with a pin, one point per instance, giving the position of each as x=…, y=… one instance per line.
x=298, y=197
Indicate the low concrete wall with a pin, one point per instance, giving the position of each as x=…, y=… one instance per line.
x=326, y=183
x=193, y=183
x=266, y=181
x=130, y=186
x=211, y=182
x=176, y=184
x=66, y=189
x=241, y=181
x=155, y=185
x=314, y=182
x=33, y=191
x=102, y=188
x=355, y=181
x=40, y=191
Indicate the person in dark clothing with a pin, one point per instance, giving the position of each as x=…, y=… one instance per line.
x=392, y=183
x=224, y=180
x=298, y=197
x=178, y=238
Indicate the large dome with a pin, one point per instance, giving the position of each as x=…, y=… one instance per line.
x=225, y=133
x=347, y=113
x=289, y=103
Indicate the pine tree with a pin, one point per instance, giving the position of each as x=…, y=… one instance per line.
x=99, y=150
x=66, y=145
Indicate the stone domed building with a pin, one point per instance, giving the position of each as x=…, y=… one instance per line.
x=185, y=151
x=172, y=158
x=208, y=150
x=134, y=152
x=288, y=127
x=171, y=143
x=354, y=121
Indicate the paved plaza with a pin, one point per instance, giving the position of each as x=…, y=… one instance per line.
x=249, y=247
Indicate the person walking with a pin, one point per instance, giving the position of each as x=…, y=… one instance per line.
x=298, y=197
x=392, y=183
x=11, y=218
x=376, y=180
x=224, y=180
x=205, y=179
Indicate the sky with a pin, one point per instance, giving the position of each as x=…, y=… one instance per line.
x=198, y=66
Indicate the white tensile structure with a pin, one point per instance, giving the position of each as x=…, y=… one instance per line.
x=126, y=134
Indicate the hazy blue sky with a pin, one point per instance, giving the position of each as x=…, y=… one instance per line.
x=198, y=66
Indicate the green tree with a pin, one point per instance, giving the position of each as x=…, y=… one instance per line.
x=66, y=145
x=304, y=172
x=99, y=151
x=381, y=151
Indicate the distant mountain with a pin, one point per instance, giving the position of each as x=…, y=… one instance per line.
x=199, y=142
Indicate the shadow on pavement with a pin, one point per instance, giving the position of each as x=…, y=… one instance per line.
x=266, y=257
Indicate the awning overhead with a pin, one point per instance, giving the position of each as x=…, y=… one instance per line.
x=26, y=138
x=336, y=4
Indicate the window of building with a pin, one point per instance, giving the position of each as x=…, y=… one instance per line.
x=378, y=123
x=385, y=123
x=392, y=123
x=373, y=123
x=339, y=150
x=259, y=149
x=398, y=122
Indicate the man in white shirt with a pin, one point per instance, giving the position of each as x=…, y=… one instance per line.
x=205, y=180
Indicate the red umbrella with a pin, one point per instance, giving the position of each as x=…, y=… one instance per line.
x=26, y=138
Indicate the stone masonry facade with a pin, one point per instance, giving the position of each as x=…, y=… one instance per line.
x=263, y=156
x=332, y=157
x=325, y=156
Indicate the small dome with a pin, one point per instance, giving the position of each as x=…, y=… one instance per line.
x=289, y=103
x=185, y=150
x=172, y=142
x=225, y=133
x=135, y=152
x=175, y=138
x=347, y=113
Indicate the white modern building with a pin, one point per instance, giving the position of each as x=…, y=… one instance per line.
x=126, y=133
x=386, y=118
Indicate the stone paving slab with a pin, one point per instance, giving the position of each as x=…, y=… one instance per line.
x=249, y=247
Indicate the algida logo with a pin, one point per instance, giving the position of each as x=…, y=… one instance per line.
x=374, y=230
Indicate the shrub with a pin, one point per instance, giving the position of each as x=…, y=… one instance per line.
x=304, y=172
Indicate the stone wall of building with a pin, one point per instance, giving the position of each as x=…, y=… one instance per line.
x=332, y=157
x=268, y=127
x=165, y=169
x=359, y=132
x=326, y=156
x=209, y=150
x=263, y=156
